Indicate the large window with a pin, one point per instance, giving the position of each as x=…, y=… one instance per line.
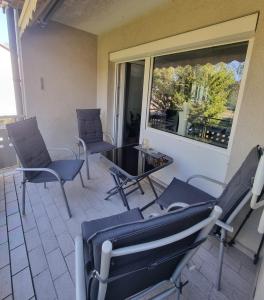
x=194, y=94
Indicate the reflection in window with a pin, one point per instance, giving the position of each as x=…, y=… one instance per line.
x=194, y=93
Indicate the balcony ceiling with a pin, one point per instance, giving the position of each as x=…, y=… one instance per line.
x=99, y=16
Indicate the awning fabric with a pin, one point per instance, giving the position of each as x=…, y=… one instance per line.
x=213, y=55
x=26, y=15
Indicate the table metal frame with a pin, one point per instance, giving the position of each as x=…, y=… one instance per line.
x=124, y=180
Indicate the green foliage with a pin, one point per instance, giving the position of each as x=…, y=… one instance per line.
x=210, y=89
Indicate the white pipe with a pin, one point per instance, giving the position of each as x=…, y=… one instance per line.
x=258, y=185
x=104, y=269
x=79, y=269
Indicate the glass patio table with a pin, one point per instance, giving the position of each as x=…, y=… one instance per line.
x=133, y=163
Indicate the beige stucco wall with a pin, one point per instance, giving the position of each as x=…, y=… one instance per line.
x=182, y=16
x=66, y=60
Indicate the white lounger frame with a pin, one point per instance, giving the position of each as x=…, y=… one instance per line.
x=256, y=192
x=204, y=227
x=252, y=195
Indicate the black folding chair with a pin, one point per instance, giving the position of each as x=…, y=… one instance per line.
x=37, y=166
x=124, y=255
x=91, y=135
x=236, y=194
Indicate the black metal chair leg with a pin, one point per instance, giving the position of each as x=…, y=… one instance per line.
x=121, y=191
x=148, y=205
x=152, y=187
x=111, y=190
x=256, y=256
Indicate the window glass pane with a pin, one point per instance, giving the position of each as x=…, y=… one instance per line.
x=194, y=93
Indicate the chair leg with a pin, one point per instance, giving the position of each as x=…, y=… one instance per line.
x=23, y=197
x=81, y=179
x=87, y=166
x=65, y=199
x=221, y=259
x=45, y=185
x=256, y=256
x=178, y=291
x=79, y=151
x=140, y=187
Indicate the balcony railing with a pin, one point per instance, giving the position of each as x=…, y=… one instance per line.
x=208, y=130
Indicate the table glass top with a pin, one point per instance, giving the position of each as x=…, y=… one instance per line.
x=134, y=162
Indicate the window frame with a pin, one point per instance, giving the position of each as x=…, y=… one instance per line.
x=239, y=98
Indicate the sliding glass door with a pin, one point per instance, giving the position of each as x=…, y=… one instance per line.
x=130, y=102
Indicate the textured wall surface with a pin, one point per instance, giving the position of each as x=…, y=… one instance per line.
x=100, y=16
x=59, y=65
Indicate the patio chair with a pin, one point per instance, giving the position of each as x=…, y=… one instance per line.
x=236, y=194
x=123, y=255
x=91, y=134
x=37, y=166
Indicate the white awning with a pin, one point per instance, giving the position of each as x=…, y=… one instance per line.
x=26, y=15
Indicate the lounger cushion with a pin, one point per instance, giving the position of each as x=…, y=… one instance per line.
x=148, y=267
x=99, y=147
x=179, y=191
x=89, y=125
x=239, y=185
x=29, y=145
x=94, y=226
x=67, y=170
x=89, y=229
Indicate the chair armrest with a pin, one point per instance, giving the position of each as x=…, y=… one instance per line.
x=109, y=136
x=79, y=269
x=40, y=170
x=63, y=149
x=224, y=226
x=82, y=142
x=177, y=205
x=153, y=215
x=222, y=184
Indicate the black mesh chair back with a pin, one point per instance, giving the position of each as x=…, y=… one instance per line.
x=29, y=145
x=240, y=184
x=90, y=125
x=133, y=273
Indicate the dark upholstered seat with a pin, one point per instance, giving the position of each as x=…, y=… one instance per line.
x=180, y=191
x=66, y=169
x=91, y=133
x=133, y=273
x=99, y=147
x=89, y=228
x=33, y=154
x=89, y=125
x=233, y=194
x=29, y=145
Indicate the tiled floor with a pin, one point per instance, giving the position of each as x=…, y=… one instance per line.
x=37, y=250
